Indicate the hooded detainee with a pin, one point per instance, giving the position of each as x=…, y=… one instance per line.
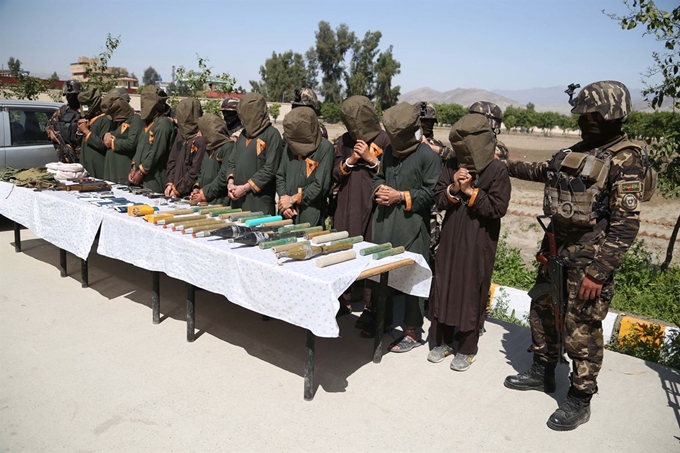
x=186, y=155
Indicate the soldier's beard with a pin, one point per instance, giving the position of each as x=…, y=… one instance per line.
x=598, y=132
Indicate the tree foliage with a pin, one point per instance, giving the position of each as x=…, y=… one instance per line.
x=449, y=113
x=665, y=27
x=193, y=83
x=150, y=76
x=95, y=70
x=359, y=80
x=386, y=68
x=26, y=87
x=275, y=110
x=331, y=47
x=280, y=75
x=330, y=111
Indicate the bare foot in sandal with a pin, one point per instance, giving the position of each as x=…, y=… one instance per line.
x=406, y=342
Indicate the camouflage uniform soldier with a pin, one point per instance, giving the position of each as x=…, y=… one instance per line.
x=592, y=192
x=62, y=128
x=495, y=116
x=234, y=125
x=305, y=97
x=428, y=118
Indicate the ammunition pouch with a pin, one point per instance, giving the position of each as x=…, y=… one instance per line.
x=67, y=126
x=539, y=290
x=573, y=193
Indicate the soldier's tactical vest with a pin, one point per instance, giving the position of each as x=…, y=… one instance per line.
x=576, y=194
x=68, y=126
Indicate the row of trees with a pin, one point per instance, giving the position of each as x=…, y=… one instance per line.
x=339, y=65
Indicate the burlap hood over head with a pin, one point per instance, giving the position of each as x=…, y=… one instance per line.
x=302, y=130
x=121, y=92
x=402, y=124
x=214, y=131
x=153, y=102
x=253, y=113
x=187, y=114
x=119, y=110
x=359, y=117
x=473, y=141
x=90, y=102
x=107, y=100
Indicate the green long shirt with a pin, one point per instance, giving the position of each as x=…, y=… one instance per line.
x=93, y=150
x=255, y=161
x=310, y=178
x=119, y=157
x=153, y=148
x=408, y=223
x=212, y=179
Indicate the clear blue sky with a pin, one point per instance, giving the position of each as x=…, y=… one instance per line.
x=493, y=44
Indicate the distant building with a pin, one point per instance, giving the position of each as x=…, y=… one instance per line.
x=79, y=72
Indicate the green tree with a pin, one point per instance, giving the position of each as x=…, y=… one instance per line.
x=510, y=122
x=275, y=110
x=547, y=121
x=95, y=70
x=150, y=76
x=280, y=76
x=665, y=27
x=52, y=81
x=386, y=68
x=26, y=87
x=449, y=113
x=360, y=77
x=312, y=79
x=331, y=47
x=192, y=83
x=330, y=112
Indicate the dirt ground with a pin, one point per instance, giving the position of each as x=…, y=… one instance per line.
x=658, y=216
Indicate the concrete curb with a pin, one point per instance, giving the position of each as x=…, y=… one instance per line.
x=622, y=324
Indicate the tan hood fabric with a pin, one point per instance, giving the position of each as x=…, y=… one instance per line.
x=90, y=102
x=303, y=132
x=120, y=110
x=153, y=102
x=402, y=124
x=214, y=131
x=187, y=113
x=473, y=141
x=252, y=110
x=359, y=117
x=107, y=100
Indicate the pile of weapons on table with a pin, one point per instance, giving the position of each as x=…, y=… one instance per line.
x=286, y=240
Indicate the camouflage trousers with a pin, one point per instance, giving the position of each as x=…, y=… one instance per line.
x=582, y=333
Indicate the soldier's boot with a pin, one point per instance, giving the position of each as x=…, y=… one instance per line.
x=541, y=377
x=573, y=412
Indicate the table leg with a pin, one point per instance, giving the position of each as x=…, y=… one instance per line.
x=191, y=312
x=62, y=263
x=156, y=297
x=17, y=237
x=84, y=281
x=380, y=318
x=309, y=366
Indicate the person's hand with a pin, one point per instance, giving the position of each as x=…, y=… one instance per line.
x=353, y=158
x=284, y=203
x=387, y=196
x=238, y=192
x=590, y=289
x=289, y=213
x=197, y=196
x=52, y=135
x=135, y=177
x=83, y=126
x=168, y=191
x=108, y=140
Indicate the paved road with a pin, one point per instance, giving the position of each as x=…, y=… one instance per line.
x=85, y=370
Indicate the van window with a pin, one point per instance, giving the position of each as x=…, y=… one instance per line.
x=27, y=126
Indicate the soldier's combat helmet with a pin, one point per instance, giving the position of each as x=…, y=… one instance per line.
x=229, y=104
x=72, y=87
x=491, y=111
x=426, y=111
x=305, y=97
x=609, y=98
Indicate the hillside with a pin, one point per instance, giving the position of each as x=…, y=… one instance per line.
x=462, y=96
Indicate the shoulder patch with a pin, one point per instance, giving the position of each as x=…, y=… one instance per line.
x=629, y=202
x=631, y=187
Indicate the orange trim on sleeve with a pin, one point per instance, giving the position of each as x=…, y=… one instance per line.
x=299, y=195
x=88, y=136
x=113, y=143
x=231, y=176
x=377, y=189
x=124, y=127
x=448, y=195
x=342, y=169
x=203, y=196
x=473, y=197
x=407, y=200
x=254, y=186
x=141, y=168
x=174, y=189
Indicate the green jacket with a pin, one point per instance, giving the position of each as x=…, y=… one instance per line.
x=310, y=178
x=212, y=179
x=153, y=148
x=93, y=151
x=255, y=161
x=119, y=157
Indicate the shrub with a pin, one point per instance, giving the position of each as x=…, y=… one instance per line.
x=509, y=268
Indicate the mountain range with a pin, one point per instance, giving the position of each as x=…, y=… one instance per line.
x=552, y=99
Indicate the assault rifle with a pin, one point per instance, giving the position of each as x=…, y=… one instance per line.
x=555, y=287
x=64, y=152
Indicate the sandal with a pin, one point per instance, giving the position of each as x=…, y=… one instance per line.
x=366, y=320
x=404, y=344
